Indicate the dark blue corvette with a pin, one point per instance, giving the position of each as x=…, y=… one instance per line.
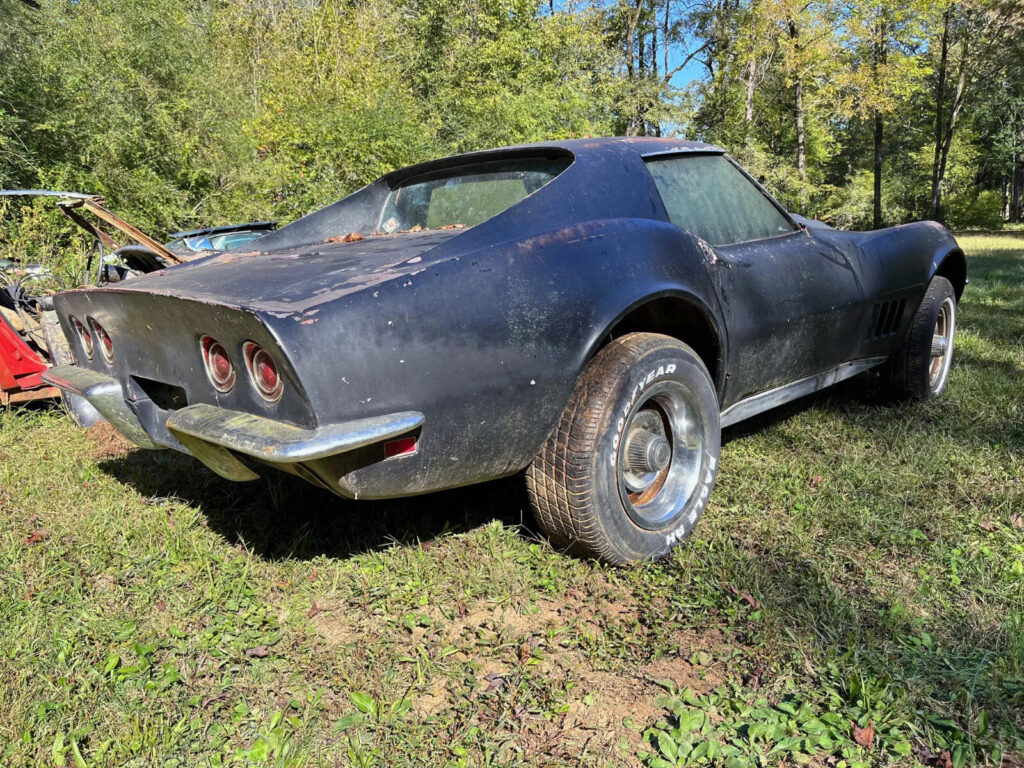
x=591, y=311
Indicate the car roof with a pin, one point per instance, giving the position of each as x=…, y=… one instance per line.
x=611, y=147
x=641, y=145
x=256, y=225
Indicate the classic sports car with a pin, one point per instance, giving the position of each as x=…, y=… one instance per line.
x=591, y=311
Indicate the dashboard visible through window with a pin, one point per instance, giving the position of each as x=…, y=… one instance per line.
x=710, y=197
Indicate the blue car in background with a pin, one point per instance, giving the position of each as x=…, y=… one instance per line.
x=223, y=238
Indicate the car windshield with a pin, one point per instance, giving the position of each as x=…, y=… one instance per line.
x=225, y=242
x=465, y=196
x=234, y=239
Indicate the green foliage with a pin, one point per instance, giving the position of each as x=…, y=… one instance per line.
x=981, y=210
x=189, y=114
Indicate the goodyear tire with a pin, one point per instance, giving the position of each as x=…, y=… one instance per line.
x=628, y=471
x=920, y=368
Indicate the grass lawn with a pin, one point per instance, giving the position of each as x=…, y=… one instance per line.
x=853, y=596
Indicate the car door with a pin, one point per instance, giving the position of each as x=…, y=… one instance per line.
x=791, y=303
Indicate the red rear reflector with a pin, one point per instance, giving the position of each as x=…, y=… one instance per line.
x=83, y=336
x=403, y=446
x=263, y=371
x=105, y=343
x=218, y=365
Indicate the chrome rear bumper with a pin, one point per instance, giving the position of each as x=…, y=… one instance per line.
x=216, y=435
x=106, y=396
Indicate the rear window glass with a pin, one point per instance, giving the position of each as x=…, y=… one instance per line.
x=465, y=196
x=710, y=197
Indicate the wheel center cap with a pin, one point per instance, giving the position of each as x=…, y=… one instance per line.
x=647, y=452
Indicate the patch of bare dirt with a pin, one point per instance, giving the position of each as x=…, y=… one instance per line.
x=338, y=624
x=107, y=442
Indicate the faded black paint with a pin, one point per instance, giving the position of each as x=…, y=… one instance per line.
x=486, y=330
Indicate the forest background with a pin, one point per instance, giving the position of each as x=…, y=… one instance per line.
x=863, y=113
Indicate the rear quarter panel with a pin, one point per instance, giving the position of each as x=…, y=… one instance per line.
x=488, y=345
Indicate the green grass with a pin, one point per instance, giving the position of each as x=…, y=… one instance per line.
x=860, y=563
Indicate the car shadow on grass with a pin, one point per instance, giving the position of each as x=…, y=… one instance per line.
x=281, y=516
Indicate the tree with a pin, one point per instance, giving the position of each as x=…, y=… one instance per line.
x=970, y=51
x=883, y=42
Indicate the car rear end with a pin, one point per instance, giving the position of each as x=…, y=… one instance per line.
x=207, y=378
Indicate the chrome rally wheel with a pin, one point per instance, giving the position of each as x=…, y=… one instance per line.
x=628, y=470
x=660, y=453
x=942, y=345
x=920, y=367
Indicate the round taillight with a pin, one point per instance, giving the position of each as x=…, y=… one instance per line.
x=83, y=336
x=263, y=371
x=106, y=345
x=218, y=365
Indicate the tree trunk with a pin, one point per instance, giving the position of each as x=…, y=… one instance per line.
x=748, y=114
x=1017, y=190
x=947, y=139
x=879, y=58
x=664, y=35
x=940, y=98
x=801, y=148
x=877, y=196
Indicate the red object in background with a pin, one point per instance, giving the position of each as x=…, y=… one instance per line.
x=20, y=369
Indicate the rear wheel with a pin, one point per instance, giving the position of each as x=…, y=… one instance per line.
x=628, y=470
x=920, y=368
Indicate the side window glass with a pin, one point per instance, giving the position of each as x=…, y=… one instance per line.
x=709, y=197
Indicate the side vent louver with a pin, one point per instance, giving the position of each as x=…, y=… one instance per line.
x=885, y=319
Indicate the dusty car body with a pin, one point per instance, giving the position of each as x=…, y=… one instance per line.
x=442, y=356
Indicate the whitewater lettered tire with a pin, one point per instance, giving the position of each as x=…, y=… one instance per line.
x=628, y=471
x=920, y=368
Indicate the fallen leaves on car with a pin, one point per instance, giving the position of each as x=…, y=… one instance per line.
x=864, y=736
x=351, y=237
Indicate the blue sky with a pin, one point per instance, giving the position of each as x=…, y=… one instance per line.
x=692, y=71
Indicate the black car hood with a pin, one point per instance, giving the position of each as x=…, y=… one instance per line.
x=295, y=279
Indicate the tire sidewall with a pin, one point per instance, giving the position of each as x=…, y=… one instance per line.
x=668, y=361
x=942, y=297
x=938, y=292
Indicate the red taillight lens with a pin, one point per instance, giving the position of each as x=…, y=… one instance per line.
x=83, y=336
x=263, y=371
x=403, y=446
x=106, y=345
x=219, y=369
